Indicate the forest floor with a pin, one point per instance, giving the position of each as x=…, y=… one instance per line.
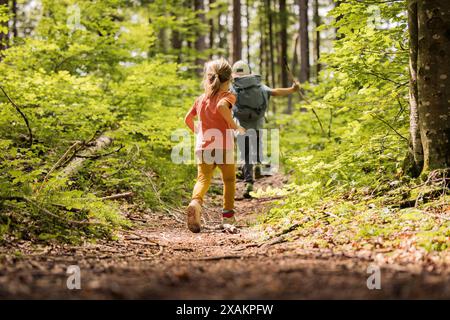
x=160, y=259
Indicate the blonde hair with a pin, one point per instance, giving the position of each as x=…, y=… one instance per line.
x=216, y=72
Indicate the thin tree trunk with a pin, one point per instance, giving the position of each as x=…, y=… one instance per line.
x=177, y=44
x=416, y=149
x=200, y=42
x=304, y=42
x=162, y=36
x=211, y=30
x=266, y=51
x=293, y=69
x=247, y=17
x=317, y=23
x=336, y=33
x=220, y=33
x=271, y=47
x=433, y=82
x=237, y=31
x=283, y=42
x=262, y=40
x=276, y=42
x=14, y=24
x=229, y=32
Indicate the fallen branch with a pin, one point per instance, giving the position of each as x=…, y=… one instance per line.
x=63, y=207
x=58, y=163
x=95, y=157
x=289, y=229
x=277, y=240
x=77, y=162
x=270, y=198
x=144, y=243
x=48, y=212
x=30, y=133
x=118, y=196
x=222, y=257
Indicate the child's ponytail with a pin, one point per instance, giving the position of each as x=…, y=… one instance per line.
x=216, y=72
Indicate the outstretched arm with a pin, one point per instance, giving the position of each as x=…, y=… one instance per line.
x=281, y=92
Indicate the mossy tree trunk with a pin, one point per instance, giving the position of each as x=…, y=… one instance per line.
x=433, y=82
x=415, y=146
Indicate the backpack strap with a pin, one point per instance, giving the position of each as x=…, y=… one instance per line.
x=266, y=98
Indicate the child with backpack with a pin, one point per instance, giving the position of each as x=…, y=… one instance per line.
x=250, y=108
x=215, y=141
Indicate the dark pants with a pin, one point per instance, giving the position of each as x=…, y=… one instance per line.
x=250, y=148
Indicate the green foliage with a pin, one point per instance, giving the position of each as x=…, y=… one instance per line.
x=341, y=179
x=4, y=17
x=75, y=85
x=361, y=101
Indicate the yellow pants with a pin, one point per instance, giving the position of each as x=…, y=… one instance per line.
x=204, y=176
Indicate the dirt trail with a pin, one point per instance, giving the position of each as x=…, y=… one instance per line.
x=161, y=259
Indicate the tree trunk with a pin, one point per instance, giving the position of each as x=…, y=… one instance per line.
x=200, y=42
x=277, y=58
x=293, y=70
x=266, y=49
x=237, y=32
x=4, y=36
x=211, y=30
x=415, y=147
x=262, y=41
x=433, y=82
x=247, y=17
x=317, y=23
x=336, y=33
x=304, y=42
x=177, y=44
x=221, y=34
x=14, y=24
x=283, y=42
x=271, y=48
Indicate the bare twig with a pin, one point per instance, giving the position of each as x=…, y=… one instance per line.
x=30, y=133
x=118, y=196
x=222, y=257
x=390, y=126
x=46, y=211
x=94, y=157
x=302, y=96
x=100, y=143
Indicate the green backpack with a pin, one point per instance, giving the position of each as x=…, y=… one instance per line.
x=252, y=101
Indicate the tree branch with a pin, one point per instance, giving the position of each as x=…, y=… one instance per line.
x=390, y=126
x=30, y=134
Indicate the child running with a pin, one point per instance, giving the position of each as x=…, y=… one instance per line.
x=215, y=141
